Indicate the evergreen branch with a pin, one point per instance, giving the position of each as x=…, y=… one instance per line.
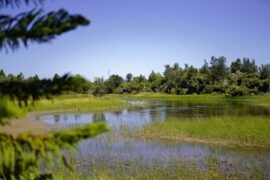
x=34, y=27
x=17, y=3
x=21, y=155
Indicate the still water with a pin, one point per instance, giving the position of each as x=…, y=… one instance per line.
x=113, y=146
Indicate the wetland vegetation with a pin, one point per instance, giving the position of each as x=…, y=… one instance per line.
x=207, y=122
x=162, y=136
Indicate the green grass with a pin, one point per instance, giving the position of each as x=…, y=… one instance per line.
x=248, y=131
x=161, y=96
x=9, y=110
x=79, y=103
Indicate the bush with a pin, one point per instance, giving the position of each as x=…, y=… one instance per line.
x=8, y=109
x=235, y=90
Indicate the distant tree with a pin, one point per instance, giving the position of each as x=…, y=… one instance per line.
x=173, y=77
x=205, y=68
x=264, y=71
x=129, y=77
x=155, y=80
x=218, y=68
x=113, y=82
x=2, y=74
x=99, y=87
x=20, y=76
x=79, y=84
x=56, y=77
x=249, y=66
x=190, y=81
x=236, y=66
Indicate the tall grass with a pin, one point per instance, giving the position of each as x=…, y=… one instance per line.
x=9, y=110
x=78, y=104
x=247, y=131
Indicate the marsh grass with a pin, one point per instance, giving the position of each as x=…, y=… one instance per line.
x=211, y=168
x=171, y=97
x=246, y=131
x=9, y=110
x=263, y=100
x=78, y=103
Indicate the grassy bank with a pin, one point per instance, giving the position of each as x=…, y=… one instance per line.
x=160, y=96
x=66, y=103
x=77, y=103
x=248, y=132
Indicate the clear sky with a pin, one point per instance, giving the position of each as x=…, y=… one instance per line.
x=138, y=36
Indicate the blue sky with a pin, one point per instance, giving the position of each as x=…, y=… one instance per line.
x=138, y=36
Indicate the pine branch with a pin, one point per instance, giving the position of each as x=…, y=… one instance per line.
x=34, y=27
x=17, y=3
x=21, y=155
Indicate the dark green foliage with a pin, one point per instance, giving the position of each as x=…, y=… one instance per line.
x=218, y=69
x=241, y=78
x=2, y=74
x=249, y=66
x=264, y=71
x=79, y=84
x=99, y=87
x=155, y=80
x=21, y=156
x=129, y=77
x=33, y=26
x=235, y=90
x=113, y=82
x=236, y=66
x=23, y=90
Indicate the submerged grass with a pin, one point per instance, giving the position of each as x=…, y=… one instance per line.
x=247, y=131
x=211, y=168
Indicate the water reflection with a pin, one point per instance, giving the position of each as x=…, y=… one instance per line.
x=136, y=117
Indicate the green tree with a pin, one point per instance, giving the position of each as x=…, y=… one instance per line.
x=129, y=77
x=155, y=80
x=173, y=77
x=218, y=68
x=236, y=66
x=264, y=71
x=2, y=74
x=99, y=87
x=249, y=66
x=113, y=82
x=79, y=84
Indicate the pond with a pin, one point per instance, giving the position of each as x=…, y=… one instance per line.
x=114, y=147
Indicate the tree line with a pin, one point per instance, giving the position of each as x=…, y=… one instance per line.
x=242, y=77
x=23, y=90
